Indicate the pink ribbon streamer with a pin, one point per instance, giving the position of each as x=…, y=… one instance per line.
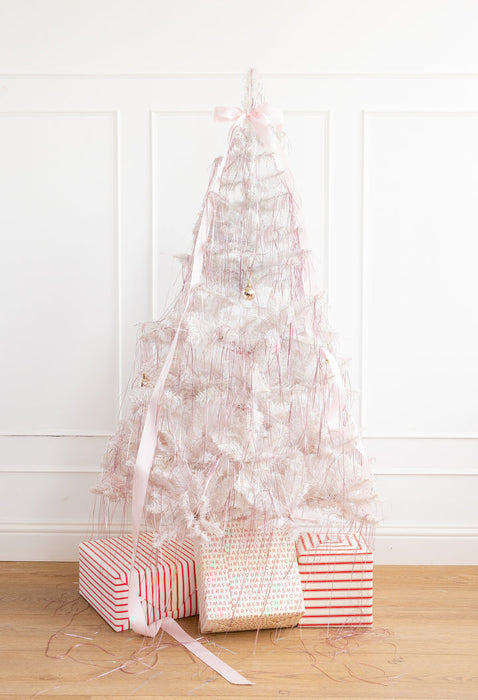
x=144, y=462
x=167, y=624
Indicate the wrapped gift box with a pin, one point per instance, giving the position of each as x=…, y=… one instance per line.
x=336, y=572
x=248, y=580
x=167, y=578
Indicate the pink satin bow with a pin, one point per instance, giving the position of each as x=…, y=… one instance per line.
x=264, y=119
x=144, y=461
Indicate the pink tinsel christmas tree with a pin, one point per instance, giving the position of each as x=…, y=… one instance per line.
x=238, y=408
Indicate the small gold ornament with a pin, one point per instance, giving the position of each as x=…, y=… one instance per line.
x=248, y=292
x=144, y=380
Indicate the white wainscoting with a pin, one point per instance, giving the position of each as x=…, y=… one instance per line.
x=102, y=179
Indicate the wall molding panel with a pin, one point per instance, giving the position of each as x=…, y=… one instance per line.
x=37, y=112
x=367, y=136
x=373, y=155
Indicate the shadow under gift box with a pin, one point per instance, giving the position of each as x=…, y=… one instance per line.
x=247, y=580
x=336, y=573
x=167, y=578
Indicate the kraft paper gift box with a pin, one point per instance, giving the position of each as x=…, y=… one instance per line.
x=167, y=578
x=248, y=580
x=336, y=572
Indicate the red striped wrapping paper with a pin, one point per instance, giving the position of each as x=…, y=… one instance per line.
x=167, y=578
x=336, y=573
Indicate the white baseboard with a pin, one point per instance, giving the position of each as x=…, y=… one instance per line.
x=58, y=541
x=427, y=545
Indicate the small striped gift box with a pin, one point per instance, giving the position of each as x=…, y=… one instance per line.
x=336, y=573
x=167, y=578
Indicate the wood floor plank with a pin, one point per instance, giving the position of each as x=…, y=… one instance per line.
x=423, y=645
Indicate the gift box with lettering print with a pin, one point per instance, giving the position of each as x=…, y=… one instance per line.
x=336, y=572
x=248, y=580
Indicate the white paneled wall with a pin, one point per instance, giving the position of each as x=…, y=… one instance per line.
x=420, y=325
x=101, y=179
x=58, y=271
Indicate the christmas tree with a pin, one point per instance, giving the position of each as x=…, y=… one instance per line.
x=238, y=408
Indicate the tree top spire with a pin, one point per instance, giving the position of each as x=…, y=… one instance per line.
x=252, y=91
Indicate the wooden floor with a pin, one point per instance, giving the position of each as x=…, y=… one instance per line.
x=424, y=644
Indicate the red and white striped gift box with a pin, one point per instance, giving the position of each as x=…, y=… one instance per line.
x=336, y=573
x=167, y=578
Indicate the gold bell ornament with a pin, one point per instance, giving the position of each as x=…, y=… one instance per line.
x=248, y=292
